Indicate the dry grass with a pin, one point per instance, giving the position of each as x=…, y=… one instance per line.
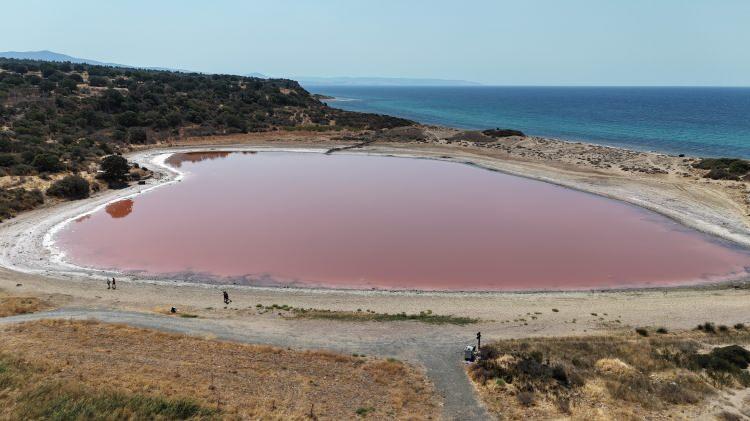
x=232, y=380
x=627, y=376
x=13, y=305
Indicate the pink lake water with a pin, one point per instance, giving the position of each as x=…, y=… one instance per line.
x=358, y=221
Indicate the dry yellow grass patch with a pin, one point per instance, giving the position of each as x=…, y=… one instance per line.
x=12, y=305
x=241, y=381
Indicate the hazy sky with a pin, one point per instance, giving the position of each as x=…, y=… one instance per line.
x=518, y=42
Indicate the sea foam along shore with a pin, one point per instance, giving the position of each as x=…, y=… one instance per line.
x=28, y=244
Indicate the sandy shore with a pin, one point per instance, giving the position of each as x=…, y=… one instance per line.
x=707, y=206
x=28, y=246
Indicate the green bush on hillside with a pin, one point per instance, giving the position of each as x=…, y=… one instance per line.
x=72, y=187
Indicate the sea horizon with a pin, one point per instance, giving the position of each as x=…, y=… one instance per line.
x=705, y=121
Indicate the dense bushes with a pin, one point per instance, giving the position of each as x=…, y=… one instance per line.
x=47, y=163
x=724, y=168
x=72, y=187
x=49, y=110
x=13, y=201
x=503, y=133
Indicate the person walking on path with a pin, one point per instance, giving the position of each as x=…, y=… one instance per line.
x=114, y=285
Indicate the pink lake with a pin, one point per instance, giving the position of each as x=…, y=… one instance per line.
x=358, y=221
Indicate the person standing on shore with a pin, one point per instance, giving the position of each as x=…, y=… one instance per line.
x=114, y=285
x=226, y=298
x=109, y=286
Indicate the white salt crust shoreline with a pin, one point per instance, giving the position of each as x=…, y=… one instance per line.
x=28, y=241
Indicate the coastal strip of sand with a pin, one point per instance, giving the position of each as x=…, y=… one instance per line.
x=661, y=183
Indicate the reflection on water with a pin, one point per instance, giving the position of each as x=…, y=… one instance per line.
x=177, y=159
x=366, y=221
x=120, y=209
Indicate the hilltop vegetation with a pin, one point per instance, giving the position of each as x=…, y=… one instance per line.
x=61, y=118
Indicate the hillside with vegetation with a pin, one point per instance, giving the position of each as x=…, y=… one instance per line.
x=58, y=119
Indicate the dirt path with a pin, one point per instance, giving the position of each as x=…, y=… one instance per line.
x=439, y=350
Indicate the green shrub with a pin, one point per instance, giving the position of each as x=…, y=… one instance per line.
x=498, y=132
x=729, y=359
x=46, y=162
x=707, y=327
x=8, y=160
x=363, y=411
x=72, y=187
x=13, y=201
x=138, y=135
x=724, y=168
x=98, y=81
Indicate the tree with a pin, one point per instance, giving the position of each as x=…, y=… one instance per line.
x=128, y=118
x=115, y=168
x=71, y=187
x=69, y=84
x=46, y=86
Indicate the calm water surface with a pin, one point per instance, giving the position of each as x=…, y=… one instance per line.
x=357, y=221
x=693, y=121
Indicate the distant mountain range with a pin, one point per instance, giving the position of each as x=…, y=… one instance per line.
x=303, y=80
x=379, y=81
x=370, y=81
x=46, y=55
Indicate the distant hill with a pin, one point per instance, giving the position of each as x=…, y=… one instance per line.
x=46, y=55
x=379, y=81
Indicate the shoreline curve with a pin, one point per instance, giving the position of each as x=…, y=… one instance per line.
x=28, y=245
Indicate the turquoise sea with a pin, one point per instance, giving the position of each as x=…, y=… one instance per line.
x=693, y=121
